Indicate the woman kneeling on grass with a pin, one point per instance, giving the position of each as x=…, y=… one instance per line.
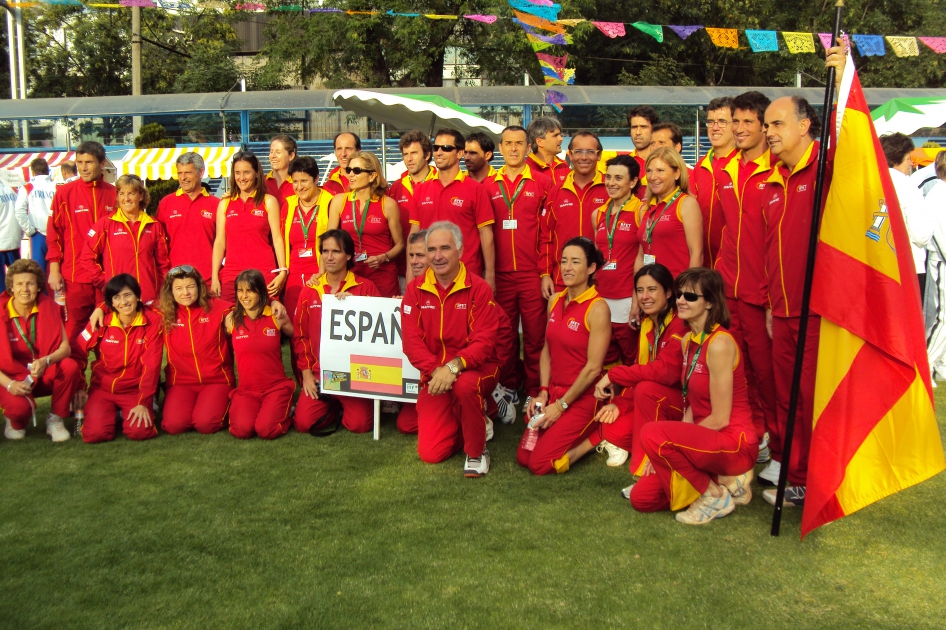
x=34, y=354
x=260, y=403
x=576, y=340
x=127, y=366
x=705, y=461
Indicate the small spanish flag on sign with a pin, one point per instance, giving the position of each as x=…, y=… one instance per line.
x=377, y=375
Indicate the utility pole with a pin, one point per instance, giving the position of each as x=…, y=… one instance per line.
x=136, y=62
x=20, y=37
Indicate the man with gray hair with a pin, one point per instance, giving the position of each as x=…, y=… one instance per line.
x=189, y=217
x=450, y=325
x=545, y=138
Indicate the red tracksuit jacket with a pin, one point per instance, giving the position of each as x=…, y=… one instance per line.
x=660, y=364
x=76, y=207
x=140, y=249
x=704, y=186
x=128, y=360
x=567, y=214
x=557, y=171
x=337, y=182
x=517, y=249
x=199, y=347
x=440, y=324
x=742, y=194
x=307, y=322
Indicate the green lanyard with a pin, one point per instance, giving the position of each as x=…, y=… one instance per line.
x=515, y=195
x=612, y=227
x=652, y=349
x=359, y=229
x=649, y=231
x=305, y=226
x=26, y=338
x=696, y=357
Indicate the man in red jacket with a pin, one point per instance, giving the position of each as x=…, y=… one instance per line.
x=704, y=182
x=76, y=207
x=545, y=139
x=450, y=324
x=189, y=217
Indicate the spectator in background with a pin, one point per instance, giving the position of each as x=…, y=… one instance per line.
x=478, y=155
x=641, y=120
x=346, y=145
x=667, y=134
x=34, y=206
x=545, y=139
x=416, y=151
x=935, y=306
x=282, y=151
x=68, y=171
x=10, y=232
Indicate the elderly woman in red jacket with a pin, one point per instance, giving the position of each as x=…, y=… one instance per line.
x=34, y=354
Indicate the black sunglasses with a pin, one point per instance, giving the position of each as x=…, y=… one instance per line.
x=689, y=296
x=357, y=170
x=181, y=270
x=446, y=148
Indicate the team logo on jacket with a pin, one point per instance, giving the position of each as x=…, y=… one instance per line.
x=760, y=185
x=91, y=233
x=259, y=212
x=461, y=306
x=427, y=305
x=207, y=214
x=407, y=309
x=529, y=193
x=572, y=323
x=698, y=368
x=625, y=227
x=119, y=232
x=375, y=220
x=110, y=340
x=801, y=188
x=81, y=209
x=599, y=200
x=456, y=201
x=140, y=342
x=269, y=332
x=203, y=320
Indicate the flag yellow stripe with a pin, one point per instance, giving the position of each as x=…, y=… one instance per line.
x=382, y=374
x=837, y=349
x=902, y=450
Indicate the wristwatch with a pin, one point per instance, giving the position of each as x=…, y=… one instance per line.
x=453, y=369
x=562, y=402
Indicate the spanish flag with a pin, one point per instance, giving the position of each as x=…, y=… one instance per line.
x=376, y=375
x=875, y=430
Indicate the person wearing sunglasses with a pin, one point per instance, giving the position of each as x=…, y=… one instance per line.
x=305, y=218
x=248, y=218
x=615, y=225
x=704, y=185
x=128, y=241
x=648, y=390
x=576, y=341
x=671, y=224
x=373, y=221
x=455, y=197
x=705, y=462
x=282, y=151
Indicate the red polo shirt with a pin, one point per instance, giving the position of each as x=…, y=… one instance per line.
x=517, y=216
x=190, y=227
x=336, y=182
x=279, y=192
x=402, y=191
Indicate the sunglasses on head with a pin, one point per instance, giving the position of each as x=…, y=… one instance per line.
x=689, y=296
x=446, y=148
x=181, y=270
x=242, y=155
x=357, y=170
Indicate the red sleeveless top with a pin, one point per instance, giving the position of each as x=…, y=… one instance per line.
x=256, y=348
x=567, y=335
x=661, y=233
x=249, y=239
x=619, y=242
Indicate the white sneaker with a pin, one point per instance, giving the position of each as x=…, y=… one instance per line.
x=489, y=429
x=769, y=476
x=707, y=508
x=389, y=406
x=616, y=455
x=764, y=453
x=13, y=434
x=477, y=466
x=626, y=492
x=740, y=489
x=55, y=429
x=507, y=408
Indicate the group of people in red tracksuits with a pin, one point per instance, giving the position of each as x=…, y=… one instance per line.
x=654, y=299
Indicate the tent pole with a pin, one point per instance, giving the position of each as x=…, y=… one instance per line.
x=384, y=153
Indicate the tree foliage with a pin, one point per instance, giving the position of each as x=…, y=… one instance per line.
x=154, y=136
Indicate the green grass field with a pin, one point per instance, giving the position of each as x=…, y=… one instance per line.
x=343, y=532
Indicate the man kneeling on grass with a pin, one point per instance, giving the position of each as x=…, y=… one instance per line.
x=450, y=326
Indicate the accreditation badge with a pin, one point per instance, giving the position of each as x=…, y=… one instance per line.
x=650, y=259
x=611, y=266
x=362, y=257
x=305, y=253
x=510, y=224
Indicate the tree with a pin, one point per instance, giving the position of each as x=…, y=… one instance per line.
x=154, y=136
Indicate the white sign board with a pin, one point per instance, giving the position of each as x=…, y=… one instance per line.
x=361, y=353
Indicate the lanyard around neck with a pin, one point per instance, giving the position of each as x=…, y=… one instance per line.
x=649, y=230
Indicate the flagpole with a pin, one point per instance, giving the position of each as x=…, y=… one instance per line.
x=809, y=276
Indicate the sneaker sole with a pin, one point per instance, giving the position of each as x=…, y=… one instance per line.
x=616, y=464
x=473, y=475
x=785, y=504
x=720, y=514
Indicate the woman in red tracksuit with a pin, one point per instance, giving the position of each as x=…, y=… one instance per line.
x=616, y=236
x=576, y=341
x=248, y=232
x=705, y=461
x=373, y=221
x=671, y=223
x=649, y=390
x=129, y=241
x=314, y=413
x=260, y=403
x=127, y=366
x=199, y=374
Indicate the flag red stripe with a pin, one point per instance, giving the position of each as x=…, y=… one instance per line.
x=375, y=388
x=362, y=359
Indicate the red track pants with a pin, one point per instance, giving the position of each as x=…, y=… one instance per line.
x=575, y=425
x=623, y=347
x=652, y=402
x=747, y=325
x=784, y=345
x=100, y=424
x=201, y=408
x=81, y=300
x=455, y=420
x=519, y=294
x=682, y=451
x=407, y=419
x=60, y=380
x=318, y=413
x=384, y=277
x=261, y=413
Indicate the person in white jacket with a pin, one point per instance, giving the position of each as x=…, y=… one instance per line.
x=935, y=305
x=919, y=220
x=33, y=207
x=10, y=232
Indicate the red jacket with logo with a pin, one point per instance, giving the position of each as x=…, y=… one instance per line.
x=704, y=186
x=128, y=360
x=402, y=191
x=140, y=249
x=199, y=347
x=557, y=171
x=517, y=249
x=440, y=324
x=336, y=183
x=76, y=207
x=307, y=322
x=191, y=227
x=567, y=215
